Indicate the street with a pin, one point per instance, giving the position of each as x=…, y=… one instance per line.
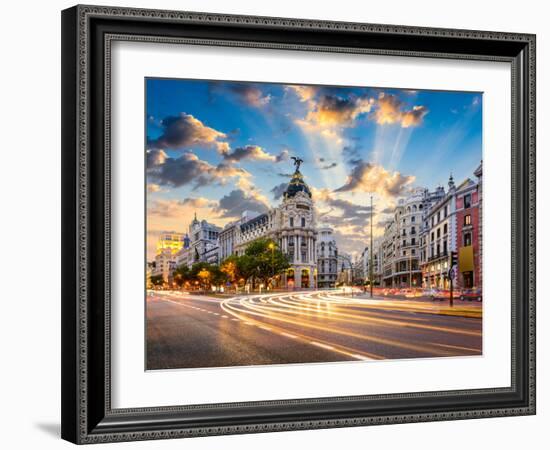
x=191, y=331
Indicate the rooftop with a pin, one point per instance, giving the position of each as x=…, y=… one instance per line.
x=296, y=184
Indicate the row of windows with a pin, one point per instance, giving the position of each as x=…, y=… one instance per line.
x=445, y=214
x=467, y=200
x=291, y=221
x=168, y=237
x=403, y=266
x=413, y=220
x=438, y=249
x=327, y=268
x=414, y=208
x=442, y=251
x=303, y=240
x=467, y=204
x=413, y=231
x=438, y=232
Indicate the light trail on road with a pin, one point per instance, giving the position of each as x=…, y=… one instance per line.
x=363, y=317
x=305, y=310
x=355, y=354
x=312, y=326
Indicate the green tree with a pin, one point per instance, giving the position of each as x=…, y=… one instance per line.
x=206, y=275
x=264, y=261
x=200, y=274
x=219, y=277
x=157, y=280
x=182, y=274
x=231, y=267
x=248, y=268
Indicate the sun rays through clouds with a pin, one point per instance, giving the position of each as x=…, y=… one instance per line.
x=219, y=149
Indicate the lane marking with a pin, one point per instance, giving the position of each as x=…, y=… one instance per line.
x=319, y=344
x=291, y=336
x=458, y=347
x=361, y=357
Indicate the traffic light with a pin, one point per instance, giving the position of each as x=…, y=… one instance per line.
x=454, y=259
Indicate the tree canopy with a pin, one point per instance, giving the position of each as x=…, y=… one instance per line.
x=261, y=262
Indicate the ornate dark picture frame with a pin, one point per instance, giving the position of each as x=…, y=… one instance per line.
x=87, y=34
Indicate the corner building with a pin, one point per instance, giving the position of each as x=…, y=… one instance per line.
x=401, y=243
x=292, y=225
x=468, y=206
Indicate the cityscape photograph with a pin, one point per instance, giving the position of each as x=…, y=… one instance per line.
x=291, y=223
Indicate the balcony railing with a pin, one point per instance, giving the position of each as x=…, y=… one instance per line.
x=438, y=256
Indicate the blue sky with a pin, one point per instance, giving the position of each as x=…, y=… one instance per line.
x=221, y=147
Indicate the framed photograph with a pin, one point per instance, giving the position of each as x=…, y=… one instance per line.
x=281, y=224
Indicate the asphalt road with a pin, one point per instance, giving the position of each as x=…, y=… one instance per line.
x=190, y=331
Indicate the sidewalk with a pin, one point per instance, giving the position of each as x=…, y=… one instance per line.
x=427, y=306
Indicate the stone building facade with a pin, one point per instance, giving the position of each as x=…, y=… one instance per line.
x=327, y=258
x=440, y=239
x=468, y=237
x=204, y=241
x=169, y=244
x=452, y=223
x=401, y=244
x=292, y=225
x=365, y=261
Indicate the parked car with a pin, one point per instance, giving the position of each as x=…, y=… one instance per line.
x=471, y=295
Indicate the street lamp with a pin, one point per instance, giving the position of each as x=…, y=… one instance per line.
x=350, y=272
x=371, y=250
x=410, y=270
x=271, y=246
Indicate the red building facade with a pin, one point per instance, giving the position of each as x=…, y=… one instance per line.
x=468, y=202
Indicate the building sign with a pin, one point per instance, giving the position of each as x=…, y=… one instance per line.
x=466, y=259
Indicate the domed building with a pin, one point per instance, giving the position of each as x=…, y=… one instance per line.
x=292, y=225
x=297, y=233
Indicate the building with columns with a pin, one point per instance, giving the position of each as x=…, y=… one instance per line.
x=297, y=233
x=203, y=241
x=200, y=244
x=292, y=225
x=401, y=243
x=440, y=239
x=327, y=258
x=365, y=260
